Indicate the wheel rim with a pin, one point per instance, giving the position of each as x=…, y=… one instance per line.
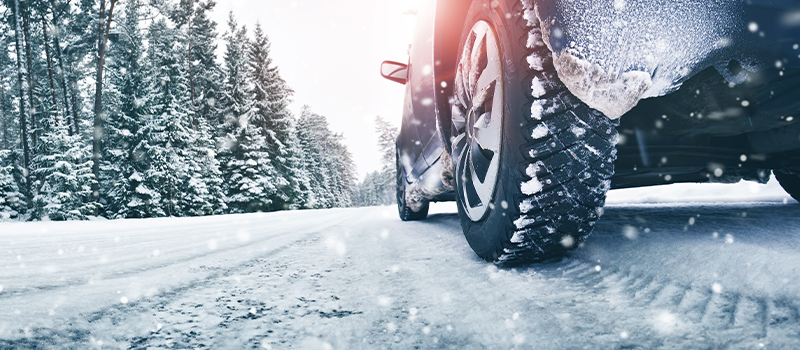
x=477, y=115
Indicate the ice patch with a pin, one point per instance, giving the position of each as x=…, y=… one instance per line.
x=540, y=131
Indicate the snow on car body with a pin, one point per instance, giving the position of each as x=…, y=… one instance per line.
x=527, y=111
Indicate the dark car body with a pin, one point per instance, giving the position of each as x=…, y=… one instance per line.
x=724, y=111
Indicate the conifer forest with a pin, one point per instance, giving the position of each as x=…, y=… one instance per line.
x=148, y=108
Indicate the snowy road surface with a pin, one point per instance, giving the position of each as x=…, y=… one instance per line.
x=674, y=270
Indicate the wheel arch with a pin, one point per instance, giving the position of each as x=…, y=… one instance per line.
x=448, y=24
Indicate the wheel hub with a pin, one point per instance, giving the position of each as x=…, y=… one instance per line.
x=477, y=115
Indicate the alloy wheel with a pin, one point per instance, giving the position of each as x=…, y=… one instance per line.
x=477, y=115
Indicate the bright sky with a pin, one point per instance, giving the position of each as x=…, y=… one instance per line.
x=330, y=52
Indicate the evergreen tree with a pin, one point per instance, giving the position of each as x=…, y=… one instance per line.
x=12, y=201
x=63, y=175
x=387, y=138
x=329, y=163
x=130, y=191
x=168, y=128
x=370, y=191
x=272, y=116
x=247, y=170
x=207, y=74
x=202, y=188
x=178, y=133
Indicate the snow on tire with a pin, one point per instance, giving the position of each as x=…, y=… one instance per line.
x=406, y=213
x=554, y=156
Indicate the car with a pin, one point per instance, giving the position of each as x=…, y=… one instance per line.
x=526, y=112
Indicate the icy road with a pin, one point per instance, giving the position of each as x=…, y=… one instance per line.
x=666, y=267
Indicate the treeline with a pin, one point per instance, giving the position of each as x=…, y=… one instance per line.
x=380, y=187
x=122, y=109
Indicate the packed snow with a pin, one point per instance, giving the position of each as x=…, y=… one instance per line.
x=678, y=266
x=612, y=53
x=540, y=131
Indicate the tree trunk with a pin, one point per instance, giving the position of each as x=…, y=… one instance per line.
x=191, y=83
x=60, y=59
x=24, y=107
x=74, y=94
x=104, y=26
x=4, y=116
x=50, y=70
x=31, y=74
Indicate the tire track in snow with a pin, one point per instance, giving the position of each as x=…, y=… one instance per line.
x=405, y=285
x=719, y=316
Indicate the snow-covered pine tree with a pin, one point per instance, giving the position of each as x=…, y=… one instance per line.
x=182, y=163
x=247, y=171
x=167, y=128
x=344, y=170
x=320, y=195
x=300, y=173
x=203, y=191
x=271, y=98
x=195, y=35
x=369, y=190
x=207, y=74
x=130, y=187
x=328, y=162
x=387, y=137
x=12, y=201
x=63, y=173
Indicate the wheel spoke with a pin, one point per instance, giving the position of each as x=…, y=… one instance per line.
x=490, y=75
x=473, y=198
x=488, y=132
x=478, y=61
x=464, y=67
x=480, y=159
x=482, y=96
x=458, y=144
x=461, y=90
x=458, y=117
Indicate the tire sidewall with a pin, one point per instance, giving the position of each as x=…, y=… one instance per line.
x=487, y=237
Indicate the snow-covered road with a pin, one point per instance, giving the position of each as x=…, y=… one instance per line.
x=659, y=273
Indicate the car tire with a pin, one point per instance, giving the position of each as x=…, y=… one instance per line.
x=555, y=155
x=406, y=213
x=790, y=183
